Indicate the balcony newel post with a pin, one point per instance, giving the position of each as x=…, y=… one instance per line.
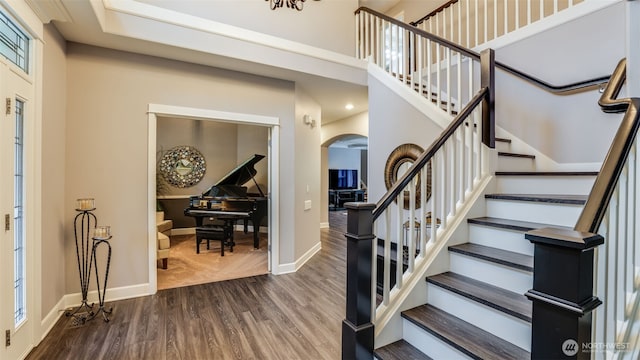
x=562, y=294
x=357, y=328
x=488, y=80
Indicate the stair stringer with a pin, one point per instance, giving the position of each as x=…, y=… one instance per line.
x=416, y=100
x=388, y=325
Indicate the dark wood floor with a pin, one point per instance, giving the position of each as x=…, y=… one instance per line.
x=293, y=316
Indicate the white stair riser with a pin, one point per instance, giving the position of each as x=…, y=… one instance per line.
x=518, y=281
x=568, y=185
x=500, y=238
x=509, y=328
x=428, y=343
x=546, y=213
x=503, y=146
x=510, y=163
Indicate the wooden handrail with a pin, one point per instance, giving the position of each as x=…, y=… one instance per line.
x=555, y=89
x=426, y=156
x=442, y=41
x=442, y=7
x=606, y=181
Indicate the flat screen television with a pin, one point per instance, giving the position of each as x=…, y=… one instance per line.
x=341, y=179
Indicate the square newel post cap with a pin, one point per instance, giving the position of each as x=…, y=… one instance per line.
x=566, y=238
x=360, y=219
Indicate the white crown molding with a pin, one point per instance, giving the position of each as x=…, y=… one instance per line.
x=49, y=10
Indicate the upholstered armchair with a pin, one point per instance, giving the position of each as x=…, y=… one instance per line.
x=164, y=232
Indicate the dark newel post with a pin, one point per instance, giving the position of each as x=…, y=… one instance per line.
x=488, y=80
x=562, y=293
x=357, y=329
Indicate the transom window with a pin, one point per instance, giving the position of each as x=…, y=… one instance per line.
x=14, y=44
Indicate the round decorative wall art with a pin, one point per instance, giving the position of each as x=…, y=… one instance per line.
x=183, y=166
x=399, y=161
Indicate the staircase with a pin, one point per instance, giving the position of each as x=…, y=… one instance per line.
x=477, y=309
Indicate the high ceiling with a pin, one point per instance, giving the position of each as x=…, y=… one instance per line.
x=332, y=95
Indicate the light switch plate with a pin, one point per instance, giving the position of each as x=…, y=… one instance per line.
x=307, y=204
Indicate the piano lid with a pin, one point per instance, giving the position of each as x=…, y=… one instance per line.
x=240, y=175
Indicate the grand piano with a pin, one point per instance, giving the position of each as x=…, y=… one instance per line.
x=228, y=201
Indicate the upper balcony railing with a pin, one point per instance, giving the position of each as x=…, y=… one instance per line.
x=474, y=22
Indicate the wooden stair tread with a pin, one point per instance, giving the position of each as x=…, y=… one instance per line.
x=495, y=255
x=544, y=198
x=461, y=335
x=508, y=302
x=546, y=173
x=498, y=139
x=400, y=350
x=509, y=224
x=510, y=154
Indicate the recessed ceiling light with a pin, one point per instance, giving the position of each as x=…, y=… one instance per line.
x=349, y=106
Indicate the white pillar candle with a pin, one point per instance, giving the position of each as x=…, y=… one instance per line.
x=85, y=204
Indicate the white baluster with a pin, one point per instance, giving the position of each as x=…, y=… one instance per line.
x=555, y=7
x=619, y=265
x=451, y=164
x=451, y=33
x=611, y=291
x=399, y=221
x=468, y=43
x=358, y=36
x=438, y=76
x=462, y=170
x=434, y=199
x=420, y=60
x=374, y=271
x=478, y=143
x=449, y=84
x=423, y=211
x=636, y=199
x=386, y=280
x=495, y=19
x=486, y=20
x=528, y=12
x=506, y=16
x=517, y=13
x=429, y=73
x=410, y=231
x=442, y=189
x=477, y=25
x=632, y=188
x=459, y=7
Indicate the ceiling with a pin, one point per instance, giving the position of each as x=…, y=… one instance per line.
x=332, y=95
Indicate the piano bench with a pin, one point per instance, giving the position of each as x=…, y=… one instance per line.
x=212, y=233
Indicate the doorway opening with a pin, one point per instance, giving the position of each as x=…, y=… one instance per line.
x=347, y=175
x=223, y=141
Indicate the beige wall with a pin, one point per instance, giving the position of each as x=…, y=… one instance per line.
x=307, y=182
x=216, y=141
x=255, y=140
x=108, y=95
x=54, y=208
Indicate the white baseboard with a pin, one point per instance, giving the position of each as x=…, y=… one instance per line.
x=113, y=294
x=72, y=300
x=294, y=266
x=51, y=319
x=324, y=225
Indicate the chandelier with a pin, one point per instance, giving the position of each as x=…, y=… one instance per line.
x=293, y=4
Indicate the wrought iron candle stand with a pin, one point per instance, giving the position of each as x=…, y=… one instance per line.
x=82, y=225
x=102, y=236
